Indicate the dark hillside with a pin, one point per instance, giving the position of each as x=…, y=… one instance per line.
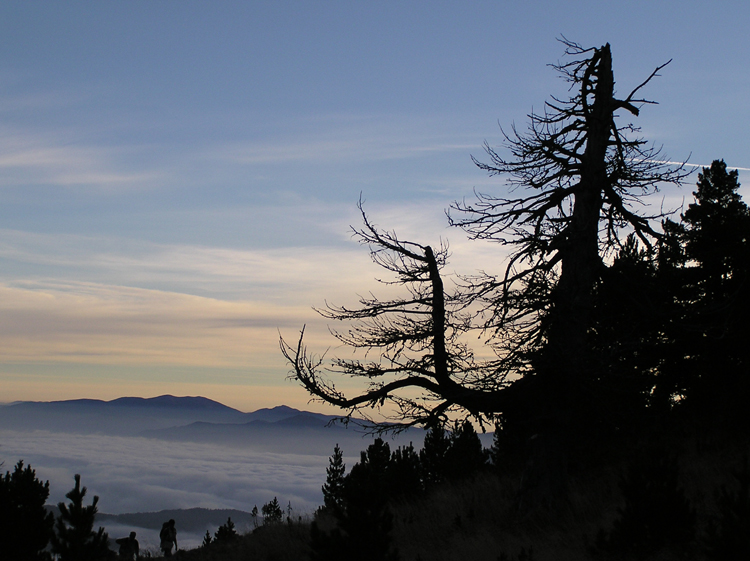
x=124, y=416
x=194, y=520
x=480, y=517
x=170, y=401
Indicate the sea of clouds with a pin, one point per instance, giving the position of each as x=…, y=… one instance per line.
x=135, y=474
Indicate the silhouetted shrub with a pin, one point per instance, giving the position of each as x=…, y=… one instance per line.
x=404, y=473
x=432, y=456
x=523, y=555
x=465, y=456
x=25, y=525
x=729, y=537
x=226, y=532
x=656, y=513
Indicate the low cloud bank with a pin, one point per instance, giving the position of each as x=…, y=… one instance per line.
x=133, y=474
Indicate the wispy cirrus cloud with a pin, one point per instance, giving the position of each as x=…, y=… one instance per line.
x=51, y=159
x=328, y=151
x=287, y=275
x=88, y=323
x=350, y=140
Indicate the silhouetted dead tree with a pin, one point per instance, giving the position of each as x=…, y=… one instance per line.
x=417, y=340
x=578, y=176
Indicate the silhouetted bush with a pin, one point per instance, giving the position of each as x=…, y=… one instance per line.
x=656, y=513
x=404, y=473
x=432, y=456
x=226, y=532
x=523, y=555
x=465, y=456
x=729, y=537
x=25, y=525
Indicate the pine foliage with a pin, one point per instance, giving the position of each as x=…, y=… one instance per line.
x=272, y=513
x=25, y=525
x=207, y=540
x=333, y=489
x=226, y=532
x=74, y=538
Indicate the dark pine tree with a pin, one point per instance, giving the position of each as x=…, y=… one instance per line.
x=365, y=522
x=74, y=538
x=432, y=456
x=404, y=473
x=465, y=457
x=272, y=513
x=709, y=265
x=333, y=488
x=25, y=525
x=207, y=540
x=718, y=239
x=226, y=532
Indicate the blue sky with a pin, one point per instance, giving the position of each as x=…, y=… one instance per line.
x=177, y=178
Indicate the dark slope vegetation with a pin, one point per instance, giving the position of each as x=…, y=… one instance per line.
x=677, y=492
x=194, y=520
x=668, y=496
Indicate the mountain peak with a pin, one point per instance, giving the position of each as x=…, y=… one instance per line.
x=273, y=414
x=171, y=401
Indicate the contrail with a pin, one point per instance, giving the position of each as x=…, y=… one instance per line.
x=695, y=165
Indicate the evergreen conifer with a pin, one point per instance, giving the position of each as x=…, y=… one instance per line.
x=25, y=525
x=432, y=456
x=333, y=489
x=465, y=456
x=272, y=513
x=226, y=532
x=74, y=538
x=207, y=540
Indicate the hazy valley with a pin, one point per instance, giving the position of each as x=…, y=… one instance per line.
x=168, y=453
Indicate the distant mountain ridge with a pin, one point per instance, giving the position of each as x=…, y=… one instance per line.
x=196, y=520
x=186, y=402
x=281, y=429
x=133, y=416
x=159, y=402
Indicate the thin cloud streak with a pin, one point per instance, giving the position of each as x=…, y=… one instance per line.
x=47, y=160
x=334, y=151
x=90, y=323
x=696, y=165
x=351, y=140
x=284, y=275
